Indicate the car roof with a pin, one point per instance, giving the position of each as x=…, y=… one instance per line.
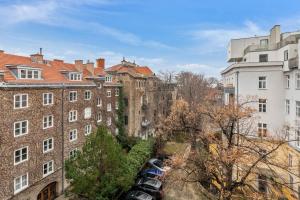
x=139, y=195
x=150, y=182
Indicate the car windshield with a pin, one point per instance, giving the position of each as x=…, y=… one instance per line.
x=143, y=196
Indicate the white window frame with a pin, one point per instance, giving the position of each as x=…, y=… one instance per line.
x=87, y=95
x=99, y=117
x=117, y=105
x=262, y=84
x=297, y=108
x=88, y=129
x=99, y=102
x=23, y=184
x=74, y=152
x=109, y=121
x=20, y=122
x=287, y=83
x=46, y=100
x=33, y=74
x=21, y=101
x=262, y=105
x=47, y=123
x=108, y=78
x=87, y=113
x=287, y=106
x=73, y=115
x=297, y=134
x=262, y=129
x=108, y=106
x=21, y=160
x=47, y=145
x=117, y=92
x=73, y=135
x=108, y=93
x=286, y=55
x=76, y=96
x=75, y=76
x=47, y=164
x=297, y=79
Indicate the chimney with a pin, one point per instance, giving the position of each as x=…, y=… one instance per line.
x=41, y=51
x=275, y=34
x=1, y=51
x=58, y=61
x=90, y=67
x=38, y=57
x=101, y=63
x=79, y=65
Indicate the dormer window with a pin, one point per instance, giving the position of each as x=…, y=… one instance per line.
x=28, y=73
x=73, y=76
x=108, y=79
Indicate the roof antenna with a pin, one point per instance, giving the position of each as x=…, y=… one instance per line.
x=123, y=59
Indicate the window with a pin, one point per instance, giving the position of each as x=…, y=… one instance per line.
x=126, y=120
x=262, y=105
x=20, y=128
x=262, y=130
x=263, y=58
x=48, y=121
x=73, y=135
x=297, y=80
x=264, y=43
x=298, y=137
x=20, y=101
x=287, y=79
x=109, y=107
x=287, y=133
x=87, y=95
x=298, y=108
x=287, y=106
x=47, y=99
x=117, y=92
x=99, y=86
x=290, y=157
x=21, y=155
x=108, y=93
x=73, y=153
x=29, y=74
x=48, y=145
x=117, y=105
x=117, y=131
x=262, y=82
x=73, y=116
x=72, y=96
x=262, y=183
x=87, y=113
x=108, y=121
x=99, y=102
x=286, y=55
x=99, y=117
x=75, y=76
x=126, y=101
x=20, y=183
x=88, y=129
x=291, y=182
x=108, y=79
x=48, y=168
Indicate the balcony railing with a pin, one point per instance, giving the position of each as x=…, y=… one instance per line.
x=293, y=62
x=252, y=48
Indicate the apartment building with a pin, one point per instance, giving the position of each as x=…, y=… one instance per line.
x=147, y=98
x=265, y=70
x=48, y=108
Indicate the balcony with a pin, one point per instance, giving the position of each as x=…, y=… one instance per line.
x=145, y=123
x=253, y=48
x=293, y=62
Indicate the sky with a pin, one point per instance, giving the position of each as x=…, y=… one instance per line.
x=173, y=35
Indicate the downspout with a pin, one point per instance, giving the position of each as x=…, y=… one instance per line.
x=62, y=140
x=238, y=124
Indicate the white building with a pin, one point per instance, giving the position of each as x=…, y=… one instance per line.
x=267, y=67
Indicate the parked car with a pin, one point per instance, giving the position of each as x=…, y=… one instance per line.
x=138, y=195
x=156, y=163
x=150, y=186
x=151, y=173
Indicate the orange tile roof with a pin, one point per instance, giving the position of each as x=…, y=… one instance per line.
x=51, y=71
x=144, y=71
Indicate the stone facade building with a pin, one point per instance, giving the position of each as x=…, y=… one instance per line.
x=147, y=98
x=47, y=110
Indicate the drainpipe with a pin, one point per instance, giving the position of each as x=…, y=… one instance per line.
x=238, y=124
x=62, y=140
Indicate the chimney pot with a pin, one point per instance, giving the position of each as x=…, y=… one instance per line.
x=100, y=63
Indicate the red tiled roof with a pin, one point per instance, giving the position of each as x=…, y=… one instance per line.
x=144, y=71
x=51, y=71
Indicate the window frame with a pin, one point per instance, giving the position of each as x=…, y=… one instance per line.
x=262, y=129
x=22, y=187
x=47, y=122
x=52, y=145
x=73, y=92
x=262, y=84
x=87, y=129
x=21, y=101
x=46, y=97
x=75, y=116
x=262, y=105
x=108, y=93
x=21, y=160
x=109, y=107
x=20, y=122
x=88, y=113
x=87, y=95
x=47, y=168
x=71, y=133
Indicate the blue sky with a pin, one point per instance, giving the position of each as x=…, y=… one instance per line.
x=163, y=34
